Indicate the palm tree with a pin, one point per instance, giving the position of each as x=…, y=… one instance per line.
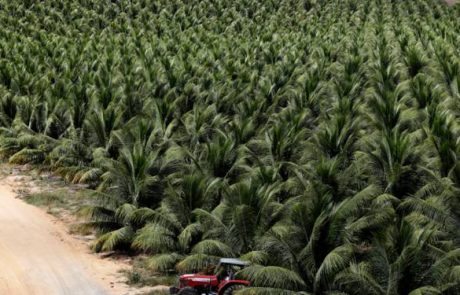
x=398, y=169
x=318, y=240
x=399, y=260
x=444, y=139
x=319, y=143
x=135, y=176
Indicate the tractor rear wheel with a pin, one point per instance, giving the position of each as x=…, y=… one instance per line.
x=233, y=288
x=188, y=291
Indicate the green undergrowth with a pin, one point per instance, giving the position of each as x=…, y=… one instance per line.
x=59, y=200
x=140, y=276
x=47, y=199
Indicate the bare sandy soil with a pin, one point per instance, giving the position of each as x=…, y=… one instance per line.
x=451, y=2
x=38, y=256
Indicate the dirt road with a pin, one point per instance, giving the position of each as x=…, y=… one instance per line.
x=38, y=257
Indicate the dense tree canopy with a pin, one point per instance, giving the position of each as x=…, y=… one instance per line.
x=316, y=139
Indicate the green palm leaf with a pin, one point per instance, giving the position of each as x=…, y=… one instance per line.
x=114, y=239
x=154, y=238
x=273, y=277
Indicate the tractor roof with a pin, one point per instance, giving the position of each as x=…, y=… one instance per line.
x=233, y=261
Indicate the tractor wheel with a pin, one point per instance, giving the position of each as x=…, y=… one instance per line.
x=232, y=288
x=188, y=291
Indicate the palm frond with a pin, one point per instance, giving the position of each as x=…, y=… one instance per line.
x=336, y=261
x=164, y=262
x=196, y=263
x=213, y=248
x=154, y=238
x=273, y=277
x=114, y=239
x=25, y=156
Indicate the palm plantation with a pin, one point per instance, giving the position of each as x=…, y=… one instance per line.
x=316, y=139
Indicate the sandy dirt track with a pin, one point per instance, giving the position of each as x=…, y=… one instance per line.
x=38, y=257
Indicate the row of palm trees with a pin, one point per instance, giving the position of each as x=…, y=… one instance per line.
x=316, y=139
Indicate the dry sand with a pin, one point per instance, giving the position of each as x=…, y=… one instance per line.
x=38, y=256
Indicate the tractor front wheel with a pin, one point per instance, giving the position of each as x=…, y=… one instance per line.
x=188, y=291
x=232, y=288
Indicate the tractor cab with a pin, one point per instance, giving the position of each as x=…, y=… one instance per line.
x=223, y=282
x=228, y=267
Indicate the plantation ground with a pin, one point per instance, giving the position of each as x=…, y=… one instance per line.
x=317, y=139
x=40, y=257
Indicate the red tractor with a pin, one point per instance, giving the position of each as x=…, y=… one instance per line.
x=223, y=282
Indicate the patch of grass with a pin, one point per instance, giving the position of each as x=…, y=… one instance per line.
x=63, y=198
x=80, y=229
x=134, y=278
x=141, y=276
x=4, y=170
x=61, y=202
x=47, y=199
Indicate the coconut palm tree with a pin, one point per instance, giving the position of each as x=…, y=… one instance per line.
x=316, y=139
